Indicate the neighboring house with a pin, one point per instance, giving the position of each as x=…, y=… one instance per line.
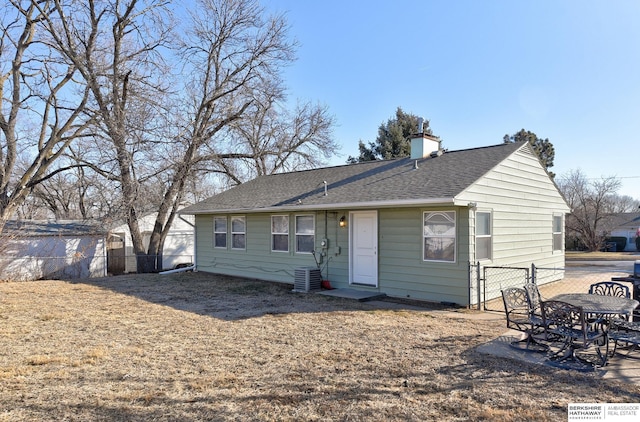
x=409, y=228
x=625, y=225
x=178, y=246
x=33, y=250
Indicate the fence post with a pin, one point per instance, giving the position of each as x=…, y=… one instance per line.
x=470, y=287
x=533, y=273
x=478, y=279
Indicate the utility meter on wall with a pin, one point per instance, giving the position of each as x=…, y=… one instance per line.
x=324, y=243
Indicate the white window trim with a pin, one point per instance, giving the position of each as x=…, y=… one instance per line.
x=554, y=233
x=303, y=234
x=235, y=233
x=274, y=233
x=455, y=237
x=484, y=236
x=226, y=232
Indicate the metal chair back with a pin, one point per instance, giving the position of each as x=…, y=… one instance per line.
x=516, y=307
x=519, y=317
x=534, y=298
x=610, y=288
x=564, y=317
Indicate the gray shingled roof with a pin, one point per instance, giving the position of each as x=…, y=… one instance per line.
x=32, y=228
x=624, y=220
x=436, y=180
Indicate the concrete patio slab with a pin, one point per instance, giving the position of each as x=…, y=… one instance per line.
x=624, y=366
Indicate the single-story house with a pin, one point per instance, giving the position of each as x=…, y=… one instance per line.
x=625, y=225
x=37, y=249
x=178, y=246
x=408, y=227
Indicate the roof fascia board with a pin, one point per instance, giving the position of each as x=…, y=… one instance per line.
x=346, y=205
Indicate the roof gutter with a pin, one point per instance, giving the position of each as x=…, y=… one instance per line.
x=340, y=206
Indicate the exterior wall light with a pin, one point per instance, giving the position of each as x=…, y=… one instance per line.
x=342, y=222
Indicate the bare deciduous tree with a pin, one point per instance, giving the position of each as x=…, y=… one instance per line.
x=115, y=47
x=156, y=131
x=42, y=105
x=591, y=202
x=77, y=193
x=625, y=203
x=271, y=139
x=233, y=56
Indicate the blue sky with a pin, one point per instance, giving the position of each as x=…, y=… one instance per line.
x=477, y=70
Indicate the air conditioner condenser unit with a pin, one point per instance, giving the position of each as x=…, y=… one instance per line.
x=307, y=279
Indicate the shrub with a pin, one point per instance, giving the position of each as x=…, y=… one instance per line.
x=621, y=242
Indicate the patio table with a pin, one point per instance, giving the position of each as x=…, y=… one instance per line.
x=596, y=305
x=599, y=304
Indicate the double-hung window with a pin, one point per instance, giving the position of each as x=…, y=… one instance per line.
x=557, y=232
x=280, y=233
x=219, y=232
x=483, y=235
x=305, y=233
x=238, y=232
x=439, y=236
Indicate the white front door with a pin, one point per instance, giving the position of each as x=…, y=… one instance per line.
x=364, y=248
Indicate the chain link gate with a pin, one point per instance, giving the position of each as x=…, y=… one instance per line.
x=498, y=278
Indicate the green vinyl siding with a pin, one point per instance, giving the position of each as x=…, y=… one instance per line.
x=402, y=270
x=257, y=260
x=523, y=201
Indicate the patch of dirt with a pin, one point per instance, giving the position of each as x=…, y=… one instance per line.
x=194, y=346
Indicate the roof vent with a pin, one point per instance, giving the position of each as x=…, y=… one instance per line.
x=420, y=126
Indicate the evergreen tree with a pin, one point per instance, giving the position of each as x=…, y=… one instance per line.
x=542, y=147
x=394, y=139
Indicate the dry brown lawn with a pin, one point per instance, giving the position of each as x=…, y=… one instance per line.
x=194, y=347
x=602, y=256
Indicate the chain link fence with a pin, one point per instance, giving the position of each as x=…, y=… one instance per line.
x=578, y=279
x=487, y=283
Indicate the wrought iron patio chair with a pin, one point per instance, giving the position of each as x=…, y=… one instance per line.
x=625, y=335
x=610, y=288
x=583, y=340
x=534, y=298
x=518, y=314
x=618, y=334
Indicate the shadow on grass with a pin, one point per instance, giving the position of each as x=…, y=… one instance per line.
x=231, y=298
